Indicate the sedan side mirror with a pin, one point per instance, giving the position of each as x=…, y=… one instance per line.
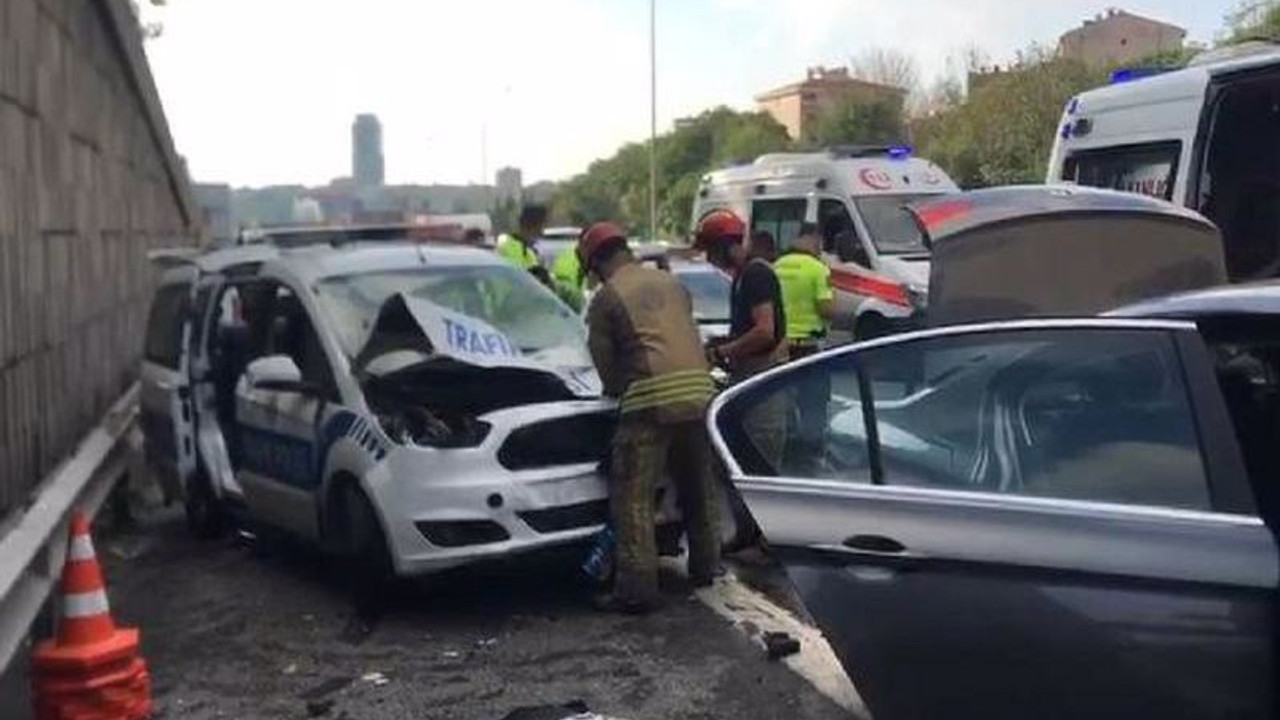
x=277, y=372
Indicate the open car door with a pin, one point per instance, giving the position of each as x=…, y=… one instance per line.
x=1036, y=519
x=1019, y=252
x=165, y=392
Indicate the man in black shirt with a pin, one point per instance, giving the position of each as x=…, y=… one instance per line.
x=757, y=327
x=756, y=342
x=756, y=323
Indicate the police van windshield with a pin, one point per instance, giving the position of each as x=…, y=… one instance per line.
x=892, y=228
x=510, y=300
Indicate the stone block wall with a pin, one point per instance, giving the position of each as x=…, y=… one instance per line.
x=89, y=182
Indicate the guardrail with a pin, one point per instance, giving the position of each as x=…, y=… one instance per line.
x=33, y=550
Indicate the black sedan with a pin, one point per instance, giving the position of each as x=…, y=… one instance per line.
x=1047, y=518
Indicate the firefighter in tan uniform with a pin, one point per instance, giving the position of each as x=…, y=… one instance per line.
x=649, y=355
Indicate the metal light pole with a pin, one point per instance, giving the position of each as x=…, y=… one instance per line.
x=653, y=120
x=484, y=153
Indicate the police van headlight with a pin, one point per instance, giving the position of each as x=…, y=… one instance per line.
x=418, y=426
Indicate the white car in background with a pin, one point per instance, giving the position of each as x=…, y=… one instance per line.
x=554, y=241
x=413, y=405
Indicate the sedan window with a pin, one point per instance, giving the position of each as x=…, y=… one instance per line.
x=1097, y=415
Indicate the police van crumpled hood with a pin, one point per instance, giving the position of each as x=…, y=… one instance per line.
x=420, y=357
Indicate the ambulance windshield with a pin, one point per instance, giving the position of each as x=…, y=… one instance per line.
x=892, y=228
x=509, y=300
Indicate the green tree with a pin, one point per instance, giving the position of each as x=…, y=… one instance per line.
x=617, y=187
x=1003, y=132
x=1253, y=20
x=859, y=121
x=750, y=136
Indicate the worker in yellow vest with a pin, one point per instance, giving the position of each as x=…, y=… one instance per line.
x=808, y=304
x=519, y=247
x=570, y=280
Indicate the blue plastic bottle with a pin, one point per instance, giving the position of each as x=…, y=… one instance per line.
x=599, y=562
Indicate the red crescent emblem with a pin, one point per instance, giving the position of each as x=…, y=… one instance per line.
x=875, y=179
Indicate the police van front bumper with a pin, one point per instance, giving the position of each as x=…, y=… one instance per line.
x=533, y=483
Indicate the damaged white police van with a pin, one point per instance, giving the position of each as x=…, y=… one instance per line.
x=407, y=403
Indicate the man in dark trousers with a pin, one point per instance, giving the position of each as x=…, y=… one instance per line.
x=756, y=322
x=646, y=347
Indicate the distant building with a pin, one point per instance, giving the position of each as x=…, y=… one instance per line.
x=366, y=151
x=510, y=185
x=1118, y=37
x=798, y=105
x=307, y=211
x=214, y=200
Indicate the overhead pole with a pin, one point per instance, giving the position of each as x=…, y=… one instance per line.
x=653, y=120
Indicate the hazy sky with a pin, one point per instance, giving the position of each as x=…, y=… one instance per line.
x=263, y=91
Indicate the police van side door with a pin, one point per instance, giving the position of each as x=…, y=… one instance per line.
x=279, y=463
x=165, y=402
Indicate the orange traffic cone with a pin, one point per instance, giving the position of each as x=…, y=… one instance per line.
x=92, y=670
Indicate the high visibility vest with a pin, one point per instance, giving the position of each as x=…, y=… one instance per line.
x=568, y=270
x=805, y=282
x=517, y=253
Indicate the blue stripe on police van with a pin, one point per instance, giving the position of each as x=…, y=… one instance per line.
x=359, y=430
x=281, y=457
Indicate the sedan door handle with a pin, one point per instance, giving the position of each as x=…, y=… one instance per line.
x=883, y=550
x=878, y=544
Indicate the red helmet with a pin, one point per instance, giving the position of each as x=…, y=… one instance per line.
x=718, y=225
x=596, y=237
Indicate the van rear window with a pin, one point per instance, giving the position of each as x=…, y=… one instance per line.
x=1149, y=169
x=164, y=325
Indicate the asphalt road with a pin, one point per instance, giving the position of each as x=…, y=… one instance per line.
x=231, y=631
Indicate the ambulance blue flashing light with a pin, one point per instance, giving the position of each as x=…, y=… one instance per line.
x=1124, y=75
x=899, y=152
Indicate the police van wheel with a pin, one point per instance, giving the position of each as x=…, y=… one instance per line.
x=206, y=518
x=364, y=545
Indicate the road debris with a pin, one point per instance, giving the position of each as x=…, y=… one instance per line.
x=778, y=645
x=290, y=669
x=316, y=708
x=326, y=688
x=573, y=710
x=375, y=678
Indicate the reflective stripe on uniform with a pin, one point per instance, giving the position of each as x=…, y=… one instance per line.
x=685, y=386
x=85, y=604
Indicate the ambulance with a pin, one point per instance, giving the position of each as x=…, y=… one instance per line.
x=1203, y=136
x=855, y=196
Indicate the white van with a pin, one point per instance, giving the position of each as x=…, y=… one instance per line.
x=855, y=195
x=1204, y=137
